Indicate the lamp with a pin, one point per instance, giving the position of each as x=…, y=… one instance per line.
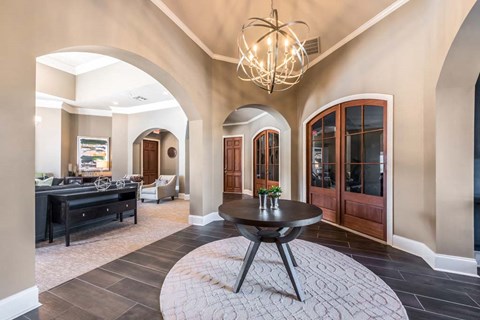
x=271, y=54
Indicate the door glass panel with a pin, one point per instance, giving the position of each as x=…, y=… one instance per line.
x=353, y=121
x=373, y=146
x=316, y=175
x=275, y=139
x=353, y=173
x=329, y=176
x=328, y=150
x=317, y=151
x=270, y=139
x=261, y=149
x=353, y=148
x=373, y=118
x=373, y=179
x=317, y=130
x=273, y=173
x=329, y=126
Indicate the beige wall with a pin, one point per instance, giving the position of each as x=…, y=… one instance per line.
x=55, y=82
x=66, y=143
x=48, y=141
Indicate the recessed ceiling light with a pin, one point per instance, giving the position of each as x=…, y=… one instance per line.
x=115, y=103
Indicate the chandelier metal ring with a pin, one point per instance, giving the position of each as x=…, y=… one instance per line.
x=263, y=62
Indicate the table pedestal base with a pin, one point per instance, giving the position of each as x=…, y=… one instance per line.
x=281, y=237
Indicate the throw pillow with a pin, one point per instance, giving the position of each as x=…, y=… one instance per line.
x=160, y=182
x=46, y=182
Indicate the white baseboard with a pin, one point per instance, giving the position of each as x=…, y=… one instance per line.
x=248, y=192
x=439, y=262
x=20, y=303
x=204, y=220
x=184, y=196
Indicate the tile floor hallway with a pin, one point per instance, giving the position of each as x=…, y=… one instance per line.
x=129, y=287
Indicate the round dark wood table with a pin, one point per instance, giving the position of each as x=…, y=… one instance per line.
x=279, y=226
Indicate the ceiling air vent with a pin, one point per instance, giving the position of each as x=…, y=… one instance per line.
x=139, y=98
x=312, y=46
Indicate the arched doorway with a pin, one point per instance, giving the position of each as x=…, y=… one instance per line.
x=346, y=161
x=256, y=125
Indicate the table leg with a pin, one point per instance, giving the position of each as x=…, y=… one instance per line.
x=291, y=255
x=135, y=216
x=287, y=261
x=247, y=262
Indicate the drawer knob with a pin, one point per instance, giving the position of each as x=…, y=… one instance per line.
x=127, y=205
x=108, y=209
x=83, y=214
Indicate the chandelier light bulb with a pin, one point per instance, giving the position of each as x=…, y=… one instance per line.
x=261, y=40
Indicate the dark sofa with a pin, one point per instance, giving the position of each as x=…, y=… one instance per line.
x=41, y=205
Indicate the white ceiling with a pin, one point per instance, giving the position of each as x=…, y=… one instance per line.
x=244, y=116
x=216, y=23
x=121, y=95
x=76, y=62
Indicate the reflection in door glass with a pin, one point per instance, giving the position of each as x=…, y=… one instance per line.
x=328, y=150
x=353, y=148
x=373, y=118
x=316, y=175
x=353, y=121
x=353, y=182
x=329, y=125
x=329, y=176
x=317, y=130
x=373, y=179
x=373, y=146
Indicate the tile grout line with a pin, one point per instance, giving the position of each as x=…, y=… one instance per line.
x=125, y=277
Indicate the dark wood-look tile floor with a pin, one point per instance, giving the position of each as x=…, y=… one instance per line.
x=129, y=287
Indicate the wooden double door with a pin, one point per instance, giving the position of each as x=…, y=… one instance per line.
x=347, y=165
x=266, y=160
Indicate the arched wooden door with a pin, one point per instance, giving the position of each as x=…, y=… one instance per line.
x=266, y=160
x=347, y=165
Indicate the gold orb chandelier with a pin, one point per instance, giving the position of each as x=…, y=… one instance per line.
x=271, y=54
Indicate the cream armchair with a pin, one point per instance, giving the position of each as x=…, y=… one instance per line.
x=154, y=192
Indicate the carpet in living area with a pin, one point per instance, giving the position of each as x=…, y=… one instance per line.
x=199, y=286
x=92, y=248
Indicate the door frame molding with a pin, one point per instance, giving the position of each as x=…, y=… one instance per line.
x=389, y=99
x=279, y=158
x=243, y=158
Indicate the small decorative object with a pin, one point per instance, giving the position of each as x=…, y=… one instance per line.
x=262, y=197
x=172, y=152
x=275, y=192
x=103, y=183
x=120, y=184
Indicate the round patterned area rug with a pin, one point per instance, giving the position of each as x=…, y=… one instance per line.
x=199, y=286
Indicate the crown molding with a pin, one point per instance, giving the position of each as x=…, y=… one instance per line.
x=364, y=27
x=246, y=122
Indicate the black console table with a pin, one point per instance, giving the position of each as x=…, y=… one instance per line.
x=72, y=209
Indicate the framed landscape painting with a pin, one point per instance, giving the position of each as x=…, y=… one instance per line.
x=92, y=154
